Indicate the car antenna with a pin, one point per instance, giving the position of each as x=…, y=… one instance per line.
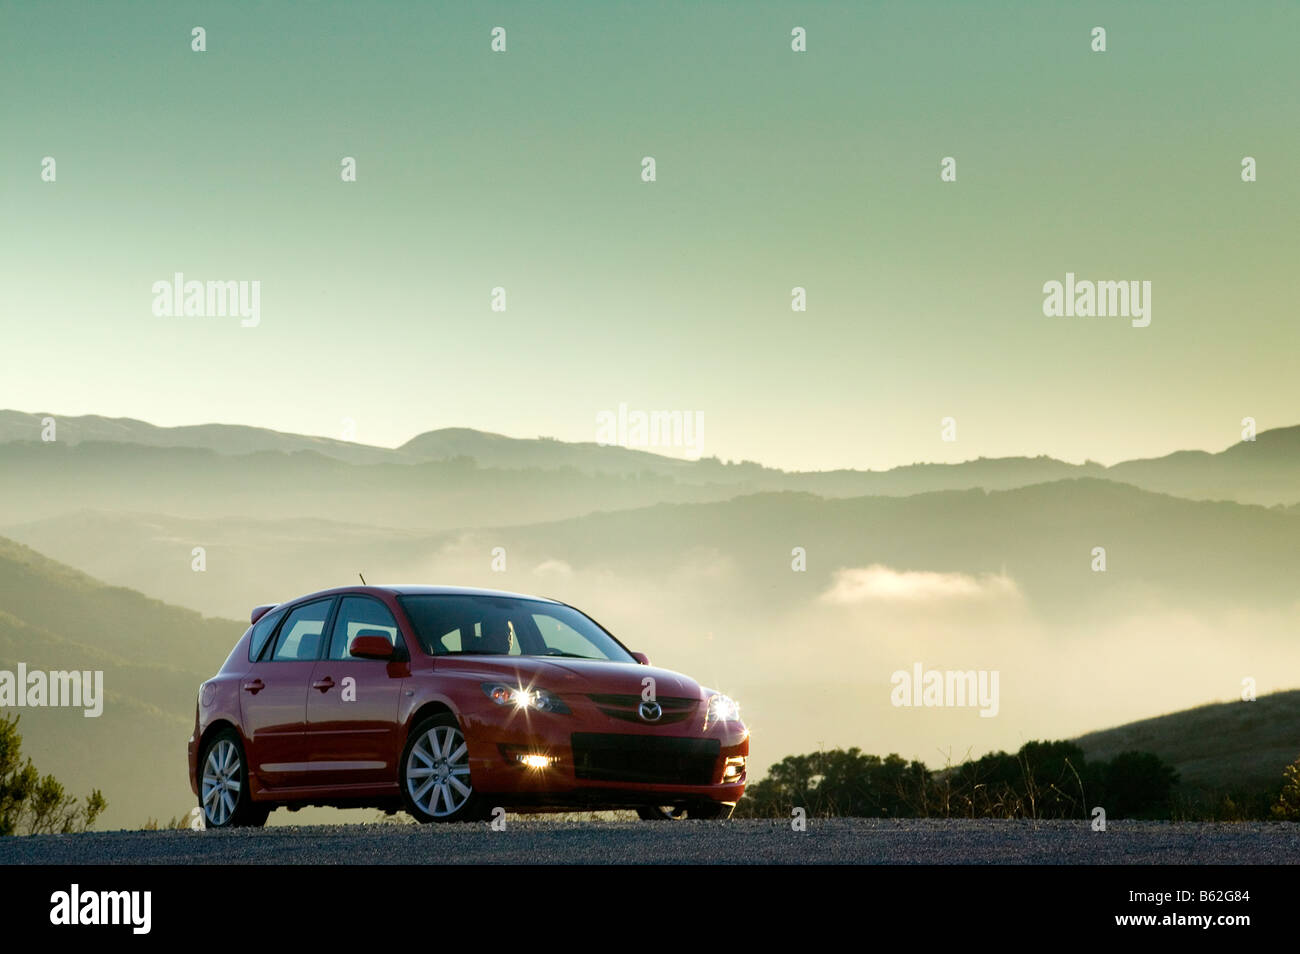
x=363, y=580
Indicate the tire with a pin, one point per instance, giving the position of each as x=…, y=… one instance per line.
x=225, y=797
x=715, y=811
x=699, y=810
x=660, y=812
x=434, y=773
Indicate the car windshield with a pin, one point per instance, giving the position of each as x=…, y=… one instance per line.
x=461, y=624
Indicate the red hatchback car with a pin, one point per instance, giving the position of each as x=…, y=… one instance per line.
x=450, y=702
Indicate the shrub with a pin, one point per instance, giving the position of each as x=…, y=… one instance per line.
x=36, y=804
x=1041, y=780
x=1137, y=785
x=1287, y=806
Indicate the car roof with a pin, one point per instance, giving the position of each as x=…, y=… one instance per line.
x=413, y=589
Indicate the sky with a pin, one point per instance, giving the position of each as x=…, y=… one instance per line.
x=774, y=169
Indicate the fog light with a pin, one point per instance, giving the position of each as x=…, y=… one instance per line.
x=534, y=761
x=733, y=768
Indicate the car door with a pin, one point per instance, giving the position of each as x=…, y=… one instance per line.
x=352, y=705
x=273, y=697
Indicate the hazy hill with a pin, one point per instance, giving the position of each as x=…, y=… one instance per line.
x=43, y=480
x=153, y=657
x=220, y=438
x=1265, y=471
x=490, y=450
x=1191, y=553
x=1221, y=747
x=499, y=451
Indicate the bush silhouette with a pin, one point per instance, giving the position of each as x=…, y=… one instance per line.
x=34, y=804
x=837, y=782
x=1287, y=806
x=1137, y=785
x=1041, y=780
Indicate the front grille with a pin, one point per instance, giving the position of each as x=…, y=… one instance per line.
x=626, y=708
x=644, y=758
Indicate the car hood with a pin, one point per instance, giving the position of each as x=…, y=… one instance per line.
x=563, y=675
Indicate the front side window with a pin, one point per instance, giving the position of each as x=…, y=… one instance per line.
x=357, y=616
x=460, y=624
x=300, y=636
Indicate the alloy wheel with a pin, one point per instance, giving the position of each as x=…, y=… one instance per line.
x=221, y=786
x=437, y=772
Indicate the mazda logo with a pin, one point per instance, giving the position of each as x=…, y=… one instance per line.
x=650, y=711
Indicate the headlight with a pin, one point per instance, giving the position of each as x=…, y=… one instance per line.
x=723, y=708
x=521, y=698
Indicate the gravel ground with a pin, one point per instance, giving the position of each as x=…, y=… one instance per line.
x=539, y=841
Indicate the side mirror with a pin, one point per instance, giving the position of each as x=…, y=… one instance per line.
x=642, y=658
x=371, y=644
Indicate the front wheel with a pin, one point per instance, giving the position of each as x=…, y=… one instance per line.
x=224, y=793
x=435, y=779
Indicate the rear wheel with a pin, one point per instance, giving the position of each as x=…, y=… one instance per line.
x=435, y=778
x=224, y=793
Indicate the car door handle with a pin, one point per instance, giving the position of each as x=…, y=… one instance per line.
x=324, y=685
x=255, y=686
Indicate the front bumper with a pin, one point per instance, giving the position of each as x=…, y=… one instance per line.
x=591, y=759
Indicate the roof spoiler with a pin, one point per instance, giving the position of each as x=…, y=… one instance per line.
x=260, y=611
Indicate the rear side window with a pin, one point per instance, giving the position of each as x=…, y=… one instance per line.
x=301, y=635
x=262, y=630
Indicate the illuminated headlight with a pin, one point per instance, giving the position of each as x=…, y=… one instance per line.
x=521, y=698
x=723, y=708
